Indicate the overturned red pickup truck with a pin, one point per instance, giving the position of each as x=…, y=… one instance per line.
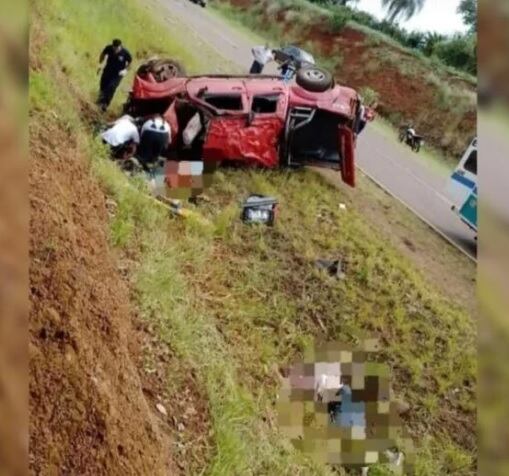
x=256, y=120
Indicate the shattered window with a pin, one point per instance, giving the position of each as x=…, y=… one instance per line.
x=265, y=104
x=231, y=102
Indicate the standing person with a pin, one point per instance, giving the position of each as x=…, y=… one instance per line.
x=118, y=60
x=367, y=114
x=154, y=140
x=262, y=55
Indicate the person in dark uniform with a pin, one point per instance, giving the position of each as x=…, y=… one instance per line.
x=118, y=60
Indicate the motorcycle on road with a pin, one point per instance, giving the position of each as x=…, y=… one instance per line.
x=410, y=138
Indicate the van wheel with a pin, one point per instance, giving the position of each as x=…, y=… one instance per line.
x=314, y=79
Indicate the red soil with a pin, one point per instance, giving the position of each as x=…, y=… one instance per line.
x=88, y=412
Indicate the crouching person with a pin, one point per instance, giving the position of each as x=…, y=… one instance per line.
x=123, y=137
x=154, y=141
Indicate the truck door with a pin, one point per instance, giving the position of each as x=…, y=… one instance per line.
x=252, y=137
x=320, y=138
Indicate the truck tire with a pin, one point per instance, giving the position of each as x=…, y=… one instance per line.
x=314, y=79
x=162, y=69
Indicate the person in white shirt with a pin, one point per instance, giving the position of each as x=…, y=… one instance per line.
x=122, y=136
x=262, y=55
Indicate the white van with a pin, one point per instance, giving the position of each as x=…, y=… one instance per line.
x=462, y=187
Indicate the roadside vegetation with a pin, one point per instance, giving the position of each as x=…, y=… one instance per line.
x=412, y=86
x=232, y=304
x=458, y=51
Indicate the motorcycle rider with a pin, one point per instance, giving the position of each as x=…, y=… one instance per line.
x=410, y=132
x=410, y=137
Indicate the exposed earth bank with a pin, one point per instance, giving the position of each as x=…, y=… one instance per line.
x=88, y=412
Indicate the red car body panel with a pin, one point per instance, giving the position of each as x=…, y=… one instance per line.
x=243, y=133
x=228, y=138
x=347, y=145
x=338, y=100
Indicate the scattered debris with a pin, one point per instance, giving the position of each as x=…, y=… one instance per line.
x=342, y=206
x=161, y=409
x=333, y=267
x=259, y=209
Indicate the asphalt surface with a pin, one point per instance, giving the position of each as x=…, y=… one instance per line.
x=397, y=169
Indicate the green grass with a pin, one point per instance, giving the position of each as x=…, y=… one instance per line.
x=235, y=302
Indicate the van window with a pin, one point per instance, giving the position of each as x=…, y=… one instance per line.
x=471, y=163
x=230, y=102
x=265, y=104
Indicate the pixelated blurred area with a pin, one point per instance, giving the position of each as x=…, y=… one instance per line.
x=13, y=239
x=337, y=406
x=187, y=179
x=493, y=257
x=492, y=52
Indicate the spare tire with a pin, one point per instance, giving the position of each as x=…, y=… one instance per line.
x=161, y=69
x=314, y=79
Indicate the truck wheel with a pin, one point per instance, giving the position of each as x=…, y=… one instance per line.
x=314, y=79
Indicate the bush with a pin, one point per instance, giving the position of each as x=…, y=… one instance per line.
x=339, y=18
x=459, y=52
x=369, y=95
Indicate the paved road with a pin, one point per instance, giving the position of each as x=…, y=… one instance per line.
x=391, y=165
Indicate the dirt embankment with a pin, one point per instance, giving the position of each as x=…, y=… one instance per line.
x=88, y=412
x=441, y=105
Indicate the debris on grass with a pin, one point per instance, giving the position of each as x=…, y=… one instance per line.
x=259, y=209
x=335, y=267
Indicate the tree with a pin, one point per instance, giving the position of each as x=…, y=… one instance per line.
x=416, y=39
x=459, y=51
x=405, y=8
x=468, y=10
x=430, y=42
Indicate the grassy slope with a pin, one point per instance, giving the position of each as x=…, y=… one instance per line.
x=234, y=302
